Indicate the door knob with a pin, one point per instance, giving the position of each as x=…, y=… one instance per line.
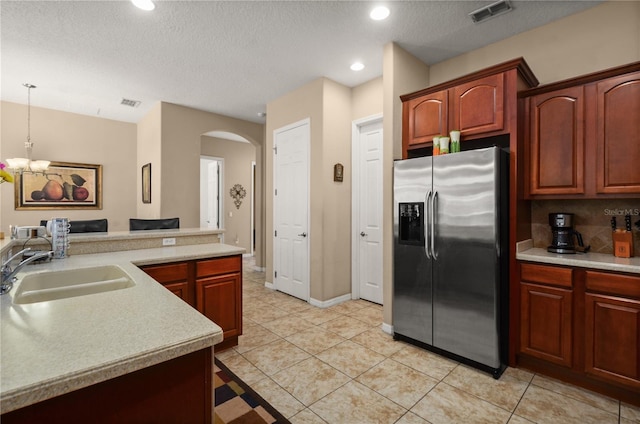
x=363, y=234
x=302, y=235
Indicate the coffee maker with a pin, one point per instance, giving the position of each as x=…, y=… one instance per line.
x=563, y=235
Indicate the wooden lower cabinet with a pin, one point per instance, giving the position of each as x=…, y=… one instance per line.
x=174, y=277
x=582, y=326
x=546, y=323
x=212, y=286
x=546, y=299
x=176, y=391
x=219, y=295
x=612, y=326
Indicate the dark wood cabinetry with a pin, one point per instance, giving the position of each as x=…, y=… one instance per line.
x=582, y=326
x=546, y=313
x=482, y=104
x=618, y=135
x=612, y=325
x=426, y=117
x=175, y=277
x=557, y=142
x=219, y=294
x=176, y=391
x=212, y=286
x=581, y=136
x=478, y=106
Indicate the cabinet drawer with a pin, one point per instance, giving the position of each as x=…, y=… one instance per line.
x=218, y=266
x=552, y=275
x=616, y=284
x=168, y=273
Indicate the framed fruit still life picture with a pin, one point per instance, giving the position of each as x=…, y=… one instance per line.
x=63, y=185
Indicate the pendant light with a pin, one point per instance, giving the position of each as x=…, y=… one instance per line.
x=26, y=165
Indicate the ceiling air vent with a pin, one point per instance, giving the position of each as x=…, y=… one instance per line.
x=491, y=11
x=129, y=102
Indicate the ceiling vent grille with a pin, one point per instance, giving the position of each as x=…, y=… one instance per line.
x=491, y=11
x=130, y=103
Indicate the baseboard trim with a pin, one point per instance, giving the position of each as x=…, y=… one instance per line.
x=330, y=302
x=259, y=268
x=387, y=328
x=269, y=285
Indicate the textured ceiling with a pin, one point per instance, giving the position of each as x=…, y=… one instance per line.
x=227, y=57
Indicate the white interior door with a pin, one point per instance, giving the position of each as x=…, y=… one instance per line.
x=210, y=188
x=291, y=214
x=368, y=211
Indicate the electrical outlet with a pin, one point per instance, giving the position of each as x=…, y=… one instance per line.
x=169, y=241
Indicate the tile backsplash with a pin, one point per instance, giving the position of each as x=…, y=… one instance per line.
x=592, y=218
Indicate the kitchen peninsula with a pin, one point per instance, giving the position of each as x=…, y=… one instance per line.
x=113, y=355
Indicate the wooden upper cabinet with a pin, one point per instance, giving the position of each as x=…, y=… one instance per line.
x=583, y=138
x=426, y=117
x=478, y=106
x=556, y=142
x=618, y=135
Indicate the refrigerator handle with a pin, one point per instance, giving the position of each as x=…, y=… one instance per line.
x=434, y=214
x=426, y=221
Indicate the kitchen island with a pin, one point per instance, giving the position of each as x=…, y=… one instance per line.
x=51, y=349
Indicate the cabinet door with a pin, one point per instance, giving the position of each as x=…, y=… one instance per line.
x=557, y=142
x=612, y=338
x=545, y=323
x=220, y=299
x=478, y=106
x=618, y=126
x=425, y=117
x=174, y=277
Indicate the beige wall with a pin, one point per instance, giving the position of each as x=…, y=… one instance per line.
x=402, y=73
x=238, y=158
x=67, y=137
x=598, y=38
x=149, y=150
x=367, y=99
x=336, y=213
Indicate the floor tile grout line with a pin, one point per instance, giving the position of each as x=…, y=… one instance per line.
x=389, y=356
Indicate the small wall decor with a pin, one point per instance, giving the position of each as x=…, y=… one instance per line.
x=338, y=172
x=237, y=192
x=62, y=186
x=146, y=183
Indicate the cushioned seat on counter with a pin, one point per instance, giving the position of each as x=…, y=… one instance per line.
x=86, y=226
x=153, y=224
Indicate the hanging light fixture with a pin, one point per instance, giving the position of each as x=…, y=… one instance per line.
x=22, y=165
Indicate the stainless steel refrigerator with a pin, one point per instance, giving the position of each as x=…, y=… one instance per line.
x=450, y=286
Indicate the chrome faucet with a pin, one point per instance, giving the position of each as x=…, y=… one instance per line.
x=9, y=276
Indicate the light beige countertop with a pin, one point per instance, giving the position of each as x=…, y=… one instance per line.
x=54, y=347
x=526, y=252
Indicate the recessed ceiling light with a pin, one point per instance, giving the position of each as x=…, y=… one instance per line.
x=379, y=13
x=357, y=66
x=144, y=4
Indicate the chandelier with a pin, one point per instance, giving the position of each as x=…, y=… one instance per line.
x=26, y=165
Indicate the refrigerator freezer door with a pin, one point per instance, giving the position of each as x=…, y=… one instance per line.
x=466, y=268
x=412, y=300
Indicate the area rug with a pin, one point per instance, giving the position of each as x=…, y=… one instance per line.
x=237, y=403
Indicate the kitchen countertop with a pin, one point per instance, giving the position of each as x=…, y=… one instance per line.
x=526, y=252
x=51, y=348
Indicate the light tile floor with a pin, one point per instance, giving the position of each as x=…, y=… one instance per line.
x=336, y=366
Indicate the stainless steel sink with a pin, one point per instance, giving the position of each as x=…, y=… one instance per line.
x=53, y=285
